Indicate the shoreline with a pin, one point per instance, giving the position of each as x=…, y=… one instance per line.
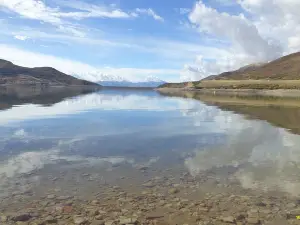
x=282, y=93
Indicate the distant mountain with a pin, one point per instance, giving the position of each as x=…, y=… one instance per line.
x=130, y=84
x=150, y=82
x=11, y=74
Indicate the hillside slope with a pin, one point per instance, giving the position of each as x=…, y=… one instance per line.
x=11, y=74
x=284, y=68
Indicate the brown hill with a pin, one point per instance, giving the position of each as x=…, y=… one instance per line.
x=285, y=68
x=11, y=74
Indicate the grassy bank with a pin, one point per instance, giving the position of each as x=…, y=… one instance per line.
x=248, y=84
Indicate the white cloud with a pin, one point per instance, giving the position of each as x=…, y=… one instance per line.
x=262, y=157
x=20, y=133
x=82, y=70
x=38, y=10
x=32, y=9
x=184, y=11
x=270, y=31
x=64, y=19
x=151, y=13
x=21, y=37
x=87, y=10
x=103, y=101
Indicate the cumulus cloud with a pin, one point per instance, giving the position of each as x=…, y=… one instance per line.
x=21, y=37
x=241, y=32
x=260, y=156
x=21, y=133
x=266, y=30
x=84, y=103
x=151, y=13
x=184, y=11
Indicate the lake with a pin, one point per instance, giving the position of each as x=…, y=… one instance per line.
x=125, y=152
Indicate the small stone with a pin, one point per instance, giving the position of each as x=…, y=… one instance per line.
x=44, y=203
x=227, y=219
x=253, y=220
x=203, y=209
x=99, y=217
x=110, y=222
x=95, y=202
x=50, y=196
x=63, y=198
x=143, y=168
x=174, y=191
x=67, y=209
x=35, y=214
x=240, y=217
x=3, y=218
x=125, y=220
x=98, y=222
x=22, y=217
x=149, y=185
x=79, y=220
x=50, y=219
x=261, y=204
x=291, y=205
x=154, y=216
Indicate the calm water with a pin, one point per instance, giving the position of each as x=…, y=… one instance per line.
x=50, y=140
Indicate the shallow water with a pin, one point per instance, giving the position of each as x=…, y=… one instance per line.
x=78, y=145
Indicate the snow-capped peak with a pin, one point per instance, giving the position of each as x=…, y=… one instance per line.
x=153, y=79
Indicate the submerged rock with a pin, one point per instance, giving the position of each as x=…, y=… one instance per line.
x=21, y=217
x=79, y=220
x=227, y=219
x=127, y=220
x=174, y=191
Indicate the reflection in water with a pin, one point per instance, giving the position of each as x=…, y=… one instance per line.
x=114, y=127
x=265, y=157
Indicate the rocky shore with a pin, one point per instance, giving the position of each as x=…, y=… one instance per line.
x=158, y=201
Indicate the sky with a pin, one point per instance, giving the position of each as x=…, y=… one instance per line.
x=172, y=40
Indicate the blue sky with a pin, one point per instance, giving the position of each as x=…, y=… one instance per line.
x=173, y=40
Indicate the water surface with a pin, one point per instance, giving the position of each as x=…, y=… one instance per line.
x=127, y=137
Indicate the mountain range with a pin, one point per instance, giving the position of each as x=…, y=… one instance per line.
x=118, y=81
x=124, y=83
x=11, y=74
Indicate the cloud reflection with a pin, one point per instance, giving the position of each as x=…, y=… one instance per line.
x=96, y=101
x=264, y=157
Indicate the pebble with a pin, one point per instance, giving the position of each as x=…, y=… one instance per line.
x=125, y=220
x=63, y=198
x=3, y=218
x=50, y=219
x=79, y=220
x=98, y=222
x=174, y=191
x=110, y=222
x=227, y=219
x=253, y=220
x=50, y=196
x=95, y=202
x=22, y=217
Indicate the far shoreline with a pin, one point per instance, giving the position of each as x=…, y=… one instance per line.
x=283, y=93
